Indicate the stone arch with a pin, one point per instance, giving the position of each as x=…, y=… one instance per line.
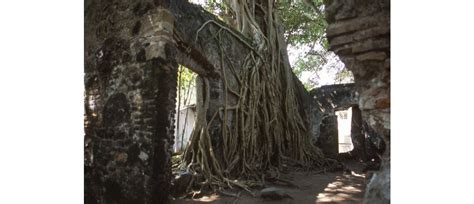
x=359, y=33
x=327, y=99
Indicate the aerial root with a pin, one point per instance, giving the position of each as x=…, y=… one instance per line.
x=264, y=129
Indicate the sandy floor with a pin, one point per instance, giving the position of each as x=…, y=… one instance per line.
x=333, y=187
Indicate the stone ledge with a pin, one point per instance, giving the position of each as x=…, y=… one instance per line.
x=362, y=46
x=377, y=56
x=371, y=44
x=355, y=24
x=360, y=35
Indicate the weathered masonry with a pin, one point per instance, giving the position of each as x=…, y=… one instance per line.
x=359, y=33
x=324, y=102
x=327, y=99
x=130, y=79
x=132, y=51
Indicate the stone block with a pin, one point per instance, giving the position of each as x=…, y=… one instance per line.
x=377, y=56
x=371, y=44
x=355, y=24
x=382, y=103
x=360, y=35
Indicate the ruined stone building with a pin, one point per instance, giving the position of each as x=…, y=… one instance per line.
x=132, y=52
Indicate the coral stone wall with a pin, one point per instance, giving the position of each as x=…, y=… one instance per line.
x=201, y=52
x=326, y=99
x=328, y=142
x=130, y=90
x=359, y=33
x=131, y=53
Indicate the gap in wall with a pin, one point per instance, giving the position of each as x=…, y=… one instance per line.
x=185, y=108
x=344, y=122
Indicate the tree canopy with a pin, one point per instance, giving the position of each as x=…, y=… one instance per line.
x=263, y=128
x=304, y=30
x=305, y=35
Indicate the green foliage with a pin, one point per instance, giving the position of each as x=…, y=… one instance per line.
x=308, y=85
x=304, y=29
x=216, y=7
x=344, y=76
x=186, y=85
x=302, y=25
x=185, y=75
x=308, y=63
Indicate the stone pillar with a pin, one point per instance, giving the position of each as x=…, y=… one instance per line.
x=130, y=90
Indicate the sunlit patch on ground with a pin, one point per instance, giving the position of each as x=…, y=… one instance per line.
x=210, y=198
x=345, y=189
x=329, y=187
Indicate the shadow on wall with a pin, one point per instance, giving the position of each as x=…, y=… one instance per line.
x=326, y=100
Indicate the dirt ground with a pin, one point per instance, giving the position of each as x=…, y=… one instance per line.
x=330, y=187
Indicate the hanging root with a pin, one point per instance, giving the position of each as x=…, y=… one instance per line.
x=266, y=131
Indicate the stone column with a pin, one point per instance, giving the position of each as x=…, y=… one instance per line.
x=160, y=54
x=130, y=90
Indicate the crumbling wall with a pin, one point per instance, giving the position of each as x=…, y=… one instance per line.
x=132, y=50
x=359, y=33
x=358, y=135
x=200, y=49
x=325, y=100
x=203, y=53
x=131, y=54
x=328, y=142
x=130, y=90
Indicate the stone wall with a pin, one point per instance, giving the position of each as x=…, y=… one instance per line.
x=359, y=33
x=325, y=100
x=328, y=142
x=132, y=50
x=217, y=61
x=130, y=89
x=203, y=53
x=358, y=135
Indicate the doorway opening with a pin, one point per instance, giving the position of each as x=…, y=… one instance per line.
x=344, y=123
x=185, y=108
